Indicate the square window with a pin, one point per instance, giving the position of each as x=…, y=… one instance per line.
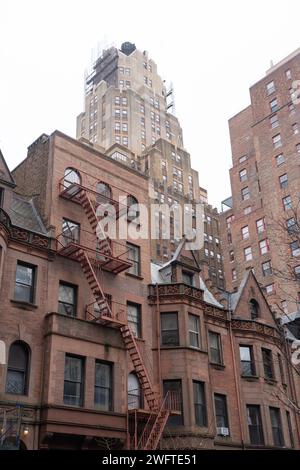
x=243, y=158
x=280, y=159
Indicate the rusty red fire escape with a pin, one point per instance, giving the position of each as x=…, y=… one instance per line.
x=103, y=257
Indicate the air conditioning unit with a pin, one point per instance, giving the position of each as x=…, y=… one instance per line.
x=223, y=431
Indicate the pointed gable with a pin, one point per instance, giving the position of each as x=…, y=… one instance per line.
x=5, y=175
x=249, y=302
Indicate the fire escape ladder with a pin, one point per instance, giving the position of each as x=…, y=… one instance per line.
x=94, y=284
x=103, y=243
x=139, y=366
x=154, y=427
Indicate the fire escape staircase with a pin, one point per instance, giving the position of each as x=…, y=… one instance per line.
x=159, y=414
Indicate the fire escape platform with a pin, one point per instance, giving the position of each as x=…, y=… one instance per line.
x=104, y=261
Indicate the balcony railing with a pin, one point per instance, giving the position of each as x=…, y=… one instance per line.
x=176, y=289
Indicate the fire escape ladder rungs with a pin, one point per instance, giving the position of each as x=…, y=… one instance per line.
x=157, y=429
x=94, y=284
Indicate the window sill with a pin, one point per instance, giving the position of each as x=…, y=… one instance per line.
x=217, y=366
x=270, y=381
x=23, y=305
x=136, y=276
x=250, y=378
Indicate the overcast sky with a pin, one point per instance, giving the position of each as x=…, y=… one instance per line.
x=212, y=51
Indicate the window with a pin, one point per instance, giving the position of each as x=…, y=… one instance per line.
x=264, y=246
x=277, y=141
x=134, y=393
x=134, y=318
x=245, y=193
x=25, y=282
x=280, y=159
x=17, y=376
x=125, y=141
x=291, y=108
x=254, y=309
x=103, y=386
x=194, y=331
x=231, y=255
x=270, y=87
x=283, y=180
x=295, y=128
x=215, y=348
x=124, y=127
x=289, y=422
x=247, y=361
x=266, y=268
x=70, y=232
x=287, y=203
x=260, y=225
x=174, y=386
x=127, y=71
x=169, y=329
x=276, y=427
x=134, y=257
x=243, y=158
x=297, y=272
x=117, y=100
x=268, y=363
x=298, y=148
x=270, y=289
x=1, y=196
x=188, y=278
x=292, y=226
x=67, y=299
x=117, y=126
x=245, y=232
x=132, y=208
x=295, y=248
x=117, y=113
x=281, y=369
x=288, y=74
x=221, y=414
x=199, y=403
x=274, y=121
x=71, y=177
x=247, y=210
x=274, y=105
x=255, y=425
x=103, y=192
x=73, y=383
x=233, y=275
x=229, y=220
x=248, y=253
x=243, y=175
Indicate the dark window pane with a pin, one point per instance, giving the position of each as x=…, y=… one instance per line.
x=24, y=286
x=276, y=427
x=199, y=402
x=268, y=363
x=215, y=347
x=67, y=299
x=174, y=386
x=17, y=369
x=169, y=329
x=73, y=384
x=221, y=411
x=255, y=425
x=103, y=386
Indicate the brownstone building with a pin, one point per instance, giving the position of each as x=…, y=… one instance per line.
x=105, y=349
x=265, y=177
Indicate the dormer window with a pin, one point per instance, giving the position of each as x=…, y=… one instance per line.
x=254, y=309
x=187, y=278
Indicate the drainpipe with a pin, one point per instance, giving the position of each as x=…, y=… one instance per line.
x=158, y=342
x=236, y=380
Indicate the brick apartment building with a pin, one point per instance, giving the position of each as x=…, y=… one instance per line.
x=265, y=186
x=129, y=114
x=106, y=349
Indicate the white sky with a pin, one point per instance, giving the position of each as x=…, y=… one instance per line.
x=212, y=51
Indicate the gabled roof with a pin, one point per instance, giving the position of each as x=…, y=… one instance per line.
x=176, y=256
x=23, y=214
x=5, y=174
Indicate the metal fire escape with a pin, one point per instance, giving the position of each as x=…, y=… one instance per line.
x=93, y=262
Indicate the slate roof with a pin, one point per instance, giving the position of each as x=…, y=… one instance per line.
x=23, y=214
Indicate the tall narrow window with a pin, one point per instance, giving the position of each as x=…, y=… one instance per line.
x=103, y=386
x=70, y=232
x=270, y=87
x=174, y=386
x=291, y=434
x=268, y=363
x=199, y=403
x=276, y=424
x=169, y=329
x=132, y=208
x=255, y=425
x=67, y=299
x=215, y=348
x=133, y=256
x=1, y=196
x=73, y=383
x=245, y=193
x=25, y=282
x=221, y=415
x=247, y=361
x=194, y=331
x=103, y=192
x=281, y=369
x=134, y=318
x=134, y=392
x=254, y=309
x=17, y=377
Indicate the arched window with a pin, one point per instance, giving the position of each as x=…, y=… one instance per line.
x=254, y=309
x=17, y=369
x=134, y=392
x=132, y=208
x=104, y=192
x=71, y=177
